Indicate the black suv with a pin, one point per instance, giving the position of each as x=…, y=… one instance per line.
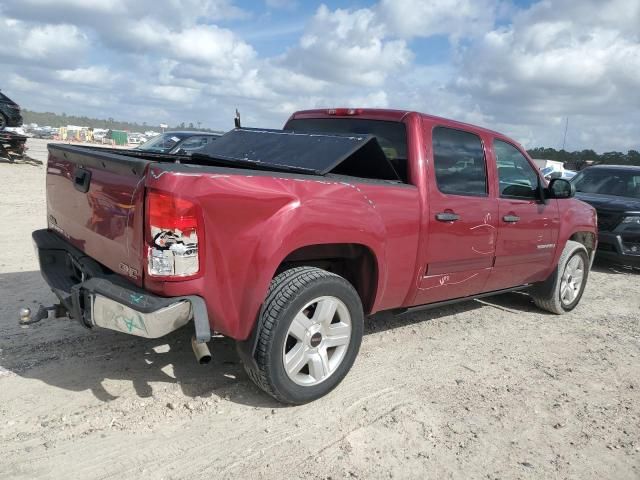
x=9, y=113
x=614, y=191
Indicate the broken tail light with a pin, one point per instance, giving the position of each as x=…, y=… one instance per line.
x=173, y=232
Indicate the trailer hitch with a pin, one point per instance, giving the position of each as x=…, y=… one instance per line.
x=43, y=312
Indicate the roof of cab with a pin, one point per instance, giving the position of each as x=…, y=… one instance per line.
x=390, y=115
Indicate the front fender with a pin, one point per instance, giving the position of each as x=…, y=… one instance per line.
x=575, y=217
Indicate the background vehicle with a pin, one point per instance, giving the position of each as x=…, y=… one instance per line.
x=44, y=133
x=178, y=142
x=552, y=172
x=10, y=115
x=614, y=191
x=136, y=139
x=285, y=239
x=13, y=146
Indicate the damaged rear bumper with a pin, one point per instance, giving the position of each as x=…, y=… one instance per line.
x=98, y=297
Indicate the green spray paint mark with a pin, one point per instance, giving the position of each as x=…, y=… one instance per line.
x=136, y=298
x=132, y=323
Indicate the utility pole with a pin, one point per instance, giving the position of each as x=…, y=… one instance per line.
x=566, y=127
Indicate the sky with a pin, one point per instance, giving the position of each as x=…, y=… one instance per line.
x=520, y=67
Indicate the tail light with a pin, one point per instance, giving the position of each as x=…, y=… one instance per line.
x=173, y=231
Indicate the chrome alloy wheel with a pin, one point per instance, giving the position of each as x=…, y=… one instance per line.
x=317, y=341
x=572, y=279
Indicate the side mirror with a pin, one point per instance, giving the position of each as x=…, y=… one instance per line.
x=561, y=188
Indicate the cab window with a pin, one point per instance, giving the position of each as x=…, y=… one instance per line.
x=517, y=177
x=459, y=162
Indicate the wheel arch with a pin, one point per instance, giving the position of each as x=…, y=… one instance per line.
x=588, y=239
x=356, y=262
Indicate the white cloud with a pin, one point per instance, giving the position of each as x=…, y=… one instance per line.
x=424, y=18
x=98, y=76
x=210, y=45
x=348, y=46
x=45, y=44
x=101, y=13
x=172, y=93
x=553, y=62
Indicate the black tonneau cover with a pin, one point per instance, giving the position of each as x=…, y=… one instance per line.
x=290, y=151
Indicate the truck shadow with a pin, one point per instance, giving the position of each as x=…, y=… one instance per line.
x=63, y=354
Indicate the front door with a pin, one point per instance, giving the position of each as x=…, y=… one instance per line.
x=462, y=219
x=528, y=229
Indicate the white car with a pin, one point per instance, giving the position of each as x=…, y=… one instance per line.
x=136, y=139
x=551, y=172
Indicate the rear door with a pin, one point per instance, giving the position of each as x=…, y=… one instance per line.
x=528, y=229
x=462, y=218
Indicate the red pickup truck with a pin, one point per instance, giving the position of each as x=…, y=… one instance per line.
x=284, y=240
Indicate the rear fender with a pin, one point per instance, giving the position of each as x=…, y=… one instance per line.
x=304, y=225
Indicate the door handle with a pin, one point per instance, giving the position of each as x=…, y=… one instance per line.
x=511, y=218
x=447, y=217
x=81, y=180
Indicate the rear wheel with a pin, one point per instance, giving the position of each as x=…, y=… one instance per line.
x=3, y=121
x=309, y=334
x=562, y=291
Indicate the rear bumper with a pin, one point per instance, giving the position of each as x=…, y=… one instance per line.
x=614, y=248
x=98, y=297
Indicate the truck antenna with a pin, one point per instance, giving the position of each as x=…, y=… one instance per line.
x=566, y=127
x=236, y=120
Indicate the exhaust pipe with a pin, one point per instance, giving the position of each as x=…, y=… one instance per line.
x=201, y=351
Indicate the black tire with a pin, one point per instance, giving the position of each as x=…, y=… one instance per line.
x=547, y=295
x=288, y=294
x=3, y=121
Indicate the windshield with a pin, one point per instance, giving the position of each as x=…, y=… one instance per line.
x=392, y=136
x=620, y=183
x=163, y=143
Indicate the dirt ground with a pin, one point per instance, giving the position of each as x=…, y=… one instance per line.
x=491, y=389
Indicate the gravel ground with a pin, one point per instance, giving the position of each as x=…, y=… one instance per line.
x=486, y=389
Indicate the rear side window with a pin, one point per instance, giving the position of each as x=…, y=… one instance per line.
x=392, y=136
x=459, y=161
x=517, y=177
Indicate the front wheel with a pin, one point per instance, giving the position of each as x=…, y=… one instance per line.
x=562, y=291
x=309, y=334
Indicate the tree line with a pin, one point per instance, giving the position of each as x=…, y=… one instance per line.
x=579, y=159
x=62, y=120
